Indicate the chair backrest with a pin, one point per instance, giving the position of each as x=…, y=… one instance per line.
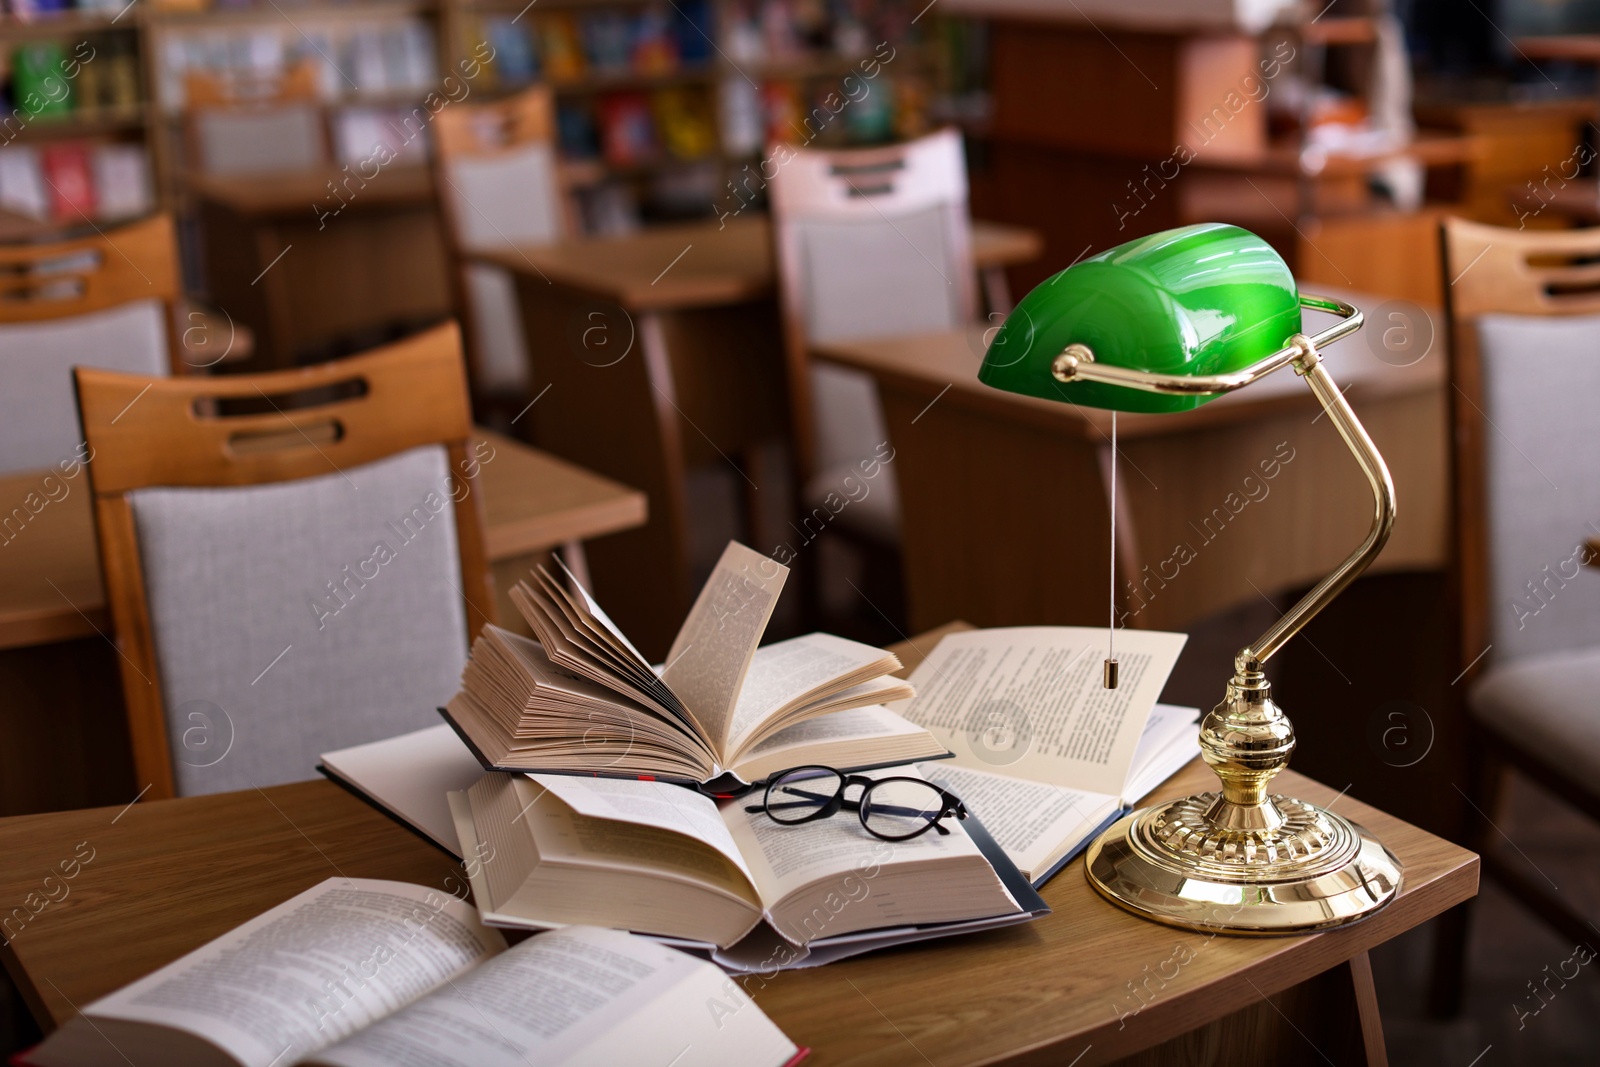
x=1524, y=326
x=870, y=242
x=498, y=183
x=294, y=561
x=242, y=124
x=103, y=301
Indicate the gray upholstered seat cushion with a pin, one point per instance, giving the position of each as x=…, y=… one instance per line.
x=1551, y=704
x=298, y=617
x=38, y=413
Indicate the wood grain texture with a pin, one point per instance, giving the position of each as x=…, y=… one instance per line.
x=1002, y=494
x=534, y=501
x=287, y=195
x=169, y=875
x=138, y=261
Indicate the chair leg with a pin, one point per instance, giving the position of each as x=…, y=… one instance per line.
x=1485, y=774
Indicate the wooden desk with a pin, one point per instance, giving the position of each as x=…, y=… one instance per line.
x=167, y=876
x=661, y=351
x=304, y=283
x=1004, y=506
x=50, y=568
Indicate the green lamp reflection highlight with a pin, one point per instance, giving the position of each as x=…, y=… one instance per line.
x=1201, y=300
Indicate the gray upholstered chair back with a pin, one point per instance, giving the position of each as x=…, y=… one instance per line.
x=296, y=617
x=1541, y=449
x=872, y=243
x=38, y=415
x=280, y=138
x=504, y=198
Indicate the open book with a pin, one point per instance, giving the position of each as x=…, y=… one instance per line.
x=369, y=973
x=722, y=712
x=659, y=859
x=1042, y=751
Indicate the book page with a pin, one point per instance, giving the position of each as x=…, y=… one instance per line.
x=1028, y=701
x=408, y=776
x=658, y=804
x=784, y=858
x=710, y=657
x=579, y=995
x=787, y=673
x=311, y=971
x=1032, y=821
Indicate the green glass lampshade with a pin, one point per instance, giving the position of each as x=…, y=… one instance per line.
x=1199, y=300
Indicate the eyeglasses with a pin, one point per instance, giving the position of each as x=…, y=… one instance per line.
x=895, y=809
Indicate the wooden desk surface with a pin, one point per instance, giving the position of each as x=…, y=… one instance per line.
x=295, y=193
x=169, y=875
x=703, y=264
x=1579, y=47
x=50, y=569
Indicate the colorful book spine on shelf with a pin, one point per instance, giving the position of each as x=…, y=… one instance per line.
x=695, y=25
x=785, y=116
x=655, y=44
x=71, y=183
x=38, y=82
x=683, y=119
x=608, y=41
x=516, y=62
x=559, y=48
x=628, y=134
x=575, y=130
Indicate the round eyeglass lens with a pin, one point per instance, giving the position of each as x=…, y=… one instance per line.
x=900, y=808
x=797, y=795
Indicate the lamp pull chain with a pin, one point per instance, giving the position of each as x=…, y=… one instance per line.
x=1110, y=678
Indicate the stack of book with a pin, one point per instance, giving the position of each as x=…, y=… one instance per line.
x=593, y=788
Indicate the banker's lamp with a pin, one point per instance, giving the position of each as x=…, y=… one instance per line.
x=1164, y=324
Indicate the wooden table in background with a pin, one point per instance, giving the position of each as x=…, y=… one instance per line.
x=1004, y=503
x=62, y=740
x=662, y=350
x=169, y=875
x=302, y=284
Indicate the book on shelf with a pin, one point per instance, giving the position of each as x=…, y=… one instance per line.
x=721, y=876
x=366, y=973
x=1042, y=752
x=721, y=713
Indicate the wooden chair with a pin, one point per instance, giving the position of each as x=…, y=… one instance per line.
x=109, y=300
x=1523, y=317
x=299, y=571
x=870, y=242
x=252, y=125
x=496, y=178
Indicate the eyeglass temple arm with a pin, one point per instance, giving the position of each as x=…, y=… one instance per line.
x=1076, y=363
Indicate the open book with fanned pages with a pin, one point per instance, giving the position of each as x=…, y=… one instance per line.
x=368, y=973
x=720, y=876
x=721, y=713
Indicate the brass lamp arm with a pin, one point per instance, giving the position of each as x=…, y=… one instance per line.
x=1076, y=363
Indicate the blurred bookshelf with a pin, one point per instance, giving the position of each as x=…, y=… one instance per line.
x=661, y=103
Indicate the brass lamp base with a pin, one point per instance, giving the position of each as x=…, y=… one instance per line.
x=1181, y=864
